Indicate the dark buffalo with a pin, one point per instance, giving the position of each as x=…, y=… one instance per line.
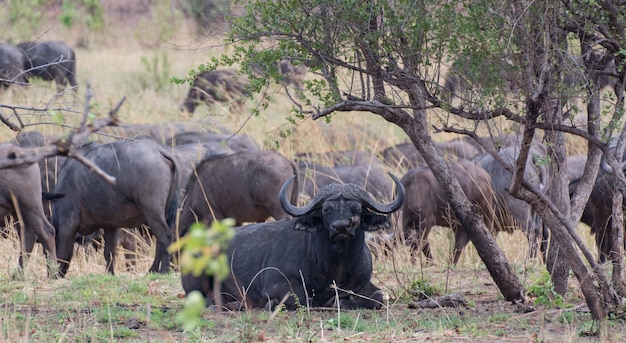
x=190, y=156
x=50, y=61
x=235, y=142
x=425, y=205
x=322, y=246
x=146, y=192
x=512, y=213
x=598, y=212
x=315, y=176
x=49, y=166
x=11, y=65
x=406, y=156
x=291, y=75
x=243, y=186
x=221, y=85
x=21, y=196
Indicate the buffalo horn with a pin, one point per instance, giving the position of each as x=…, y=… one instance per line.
x=295, y=211
x=333, y=189
x=370, y=202
x=606, y=167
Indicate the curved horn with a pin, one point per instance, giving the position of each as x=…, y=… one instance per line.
x=296, y=211
x=605, y=166
x=384, y=208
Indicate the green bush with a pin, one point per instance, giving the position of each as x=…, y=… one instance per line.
x=24, y=17
x=86, y=15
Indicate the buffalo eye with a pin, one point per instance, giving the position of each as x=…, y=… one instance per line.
x=327, y=209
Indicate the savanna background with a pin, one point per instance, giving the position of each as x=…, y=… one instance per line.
x=132, y=49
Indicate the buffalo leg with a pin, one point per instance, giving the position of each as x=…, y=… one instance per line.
x=37, y=226
x=461, y=238
x=111, y=237
x=369, y=297
x=129, y=243
x=161, y=231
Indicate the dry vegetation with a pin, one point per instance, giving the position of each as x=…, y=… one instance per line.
x=90, y=306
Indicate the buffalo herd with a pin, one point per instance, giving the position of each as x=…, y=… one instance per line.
x=167, y=184
x=323, y=208
x=47, y=60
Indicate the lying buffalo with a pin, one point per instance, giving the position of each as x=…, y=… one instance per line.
x=11, y=66
x=243, y=186
x=426, y=206
x=50, y=61
x=21, y=196
x=146, y=192
x=301, y=260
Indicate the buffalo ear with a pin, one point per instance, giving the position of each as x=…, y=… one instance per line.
x=371, y=221
x=310, y=223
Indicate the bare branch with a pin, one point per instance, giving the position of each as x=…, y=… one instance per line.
x=14, y=156
x=93, y=167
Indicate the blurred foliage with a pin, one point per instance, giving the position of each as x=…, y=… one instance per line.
x=24, y=17
x=156, y=72
x=88, y=15
x=202, y=252
x=206, y=13
x=160, y=26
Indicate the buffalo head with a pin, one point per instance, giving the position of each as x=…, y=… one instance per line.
x=342, y=210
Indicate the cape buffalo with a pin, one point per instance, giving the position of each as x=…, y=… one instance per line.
x=230, y=86
x=221, y=85
x=599, y=209
x=243, y=186
x=49, y=166
x=11, y=65
x=510, y=212
x=302, y=259
x=50, y=61
x=21, y=196
x=190, y=156
x=145, y=192
x=425, y=205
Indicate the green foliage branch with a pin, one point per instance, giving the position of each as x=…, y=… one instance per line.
x=202, y=252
